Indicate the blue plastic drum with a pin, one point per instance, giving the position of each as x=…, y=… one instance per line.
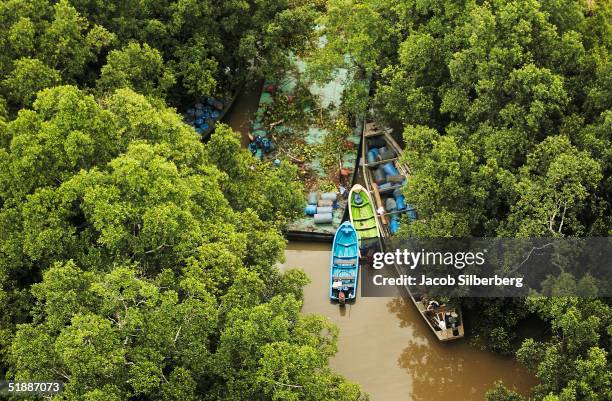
x=390, y=169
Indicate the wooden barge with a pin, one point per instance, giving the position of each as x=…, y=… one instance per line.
x=297, y=122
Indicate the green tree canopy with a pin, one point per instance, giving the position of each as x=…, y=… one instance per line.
x=136, y=263
x=27, y=79
x=44, y=42
x=178, y=50
x=138, y=67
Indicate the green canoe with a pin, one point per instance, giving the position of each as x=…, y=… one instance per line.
x=362, y=213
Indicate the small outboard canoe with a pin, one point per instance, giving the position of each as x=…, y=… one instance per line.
x=362, y=213
x=344, y=267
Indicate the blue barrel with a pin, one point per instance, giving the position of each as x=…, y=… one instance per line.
x=379, y=176
x=215, y=114
x=200, y=131
x=394, y=226
x=390, y=169
x=372, y=153
x=277, y=162
x=390, y=205
x=401, y=202
x=199, y=121
x=204, y=126
x=310, y=210
x=397, y=192
x=253, y=148
x=268, y=145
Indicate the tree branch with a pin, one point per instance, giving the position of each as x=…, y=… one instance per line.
x=177, y=333
x=562, y=216
x=287, y=385
x=156, y=249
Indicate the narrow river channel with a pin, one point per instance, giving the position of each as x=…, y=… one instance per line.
x=387, y=348
x=384, y=344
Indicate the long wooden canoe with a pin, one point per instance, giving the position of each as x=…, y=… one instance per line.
x=381, y=192
x=445, y=322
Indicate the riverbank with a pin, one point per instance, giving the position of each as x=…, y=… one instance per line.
x=385, y=346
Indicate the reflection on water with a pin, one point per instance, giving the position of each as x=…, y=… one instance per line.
x=387, y=348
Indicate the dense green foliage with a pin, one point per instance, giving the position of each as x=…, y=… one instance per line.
x=506, y=112
x=175, y=49
x=136, y=262
x=134, y=268
x=506, y=108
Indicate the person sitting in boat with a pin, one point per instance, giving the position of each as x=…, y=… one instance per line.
x=452, y=319
x=440, y=320
x=433, y=305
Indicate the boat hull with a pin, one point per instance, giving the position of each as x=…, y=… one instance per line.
x=344, y=264
x=363, y=215
x=431, y=317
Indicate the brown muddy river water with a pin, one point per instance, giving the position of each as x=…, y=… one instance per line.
x=243, y=110
x=386, y=347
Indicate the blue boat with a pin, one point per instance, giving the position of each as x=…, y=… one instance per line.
x=344, y=268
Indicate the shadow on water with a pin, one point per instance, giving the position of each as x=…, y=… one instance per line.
x=439, y=370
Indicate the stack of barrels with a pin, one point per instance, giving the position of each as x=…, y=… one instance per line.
x=386, y=175
x=395, y=203
x=203, y=116
x=321, y=207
